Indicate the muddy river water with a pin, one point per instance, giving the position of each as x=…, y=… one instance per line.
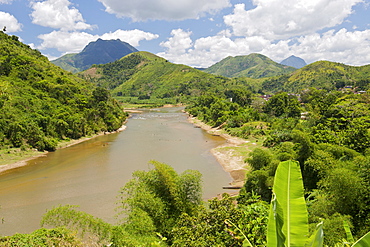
x=91, y=173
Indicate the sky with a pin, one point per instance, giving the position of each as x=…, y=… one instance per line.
x=197, y=33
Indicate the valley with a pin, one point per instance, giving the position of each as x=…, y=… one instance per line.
x=260, y=115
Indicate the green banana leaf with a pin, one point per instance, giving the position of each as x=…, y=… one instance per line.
x=317, y=239
x=348, y=232
x=288, y=188
x=275, y=235
x=363, y=242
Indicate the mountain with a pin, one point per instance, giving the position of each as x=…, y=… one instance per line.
x=42, y=104
x=293, y=61
x=321, y=74
x=98, y=52
x=145, y=74
x=253, y=66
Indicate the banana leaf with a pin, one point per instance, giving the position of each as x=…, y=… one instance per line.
x=363, y=242
x=317, y=239
x=289, y=192
x=275, y=235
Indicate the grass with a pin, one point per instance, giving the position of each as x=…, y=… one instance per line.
x=13, y=155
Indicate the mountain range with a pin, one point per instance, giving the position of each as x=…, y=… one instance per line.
x=253, y=66
x=143, y=74
x=321, y=74
x=97, y=52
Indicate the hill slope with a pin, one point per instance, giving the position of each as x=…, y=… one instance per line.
x=41, y=104
x=321, y=74
x=145, y=74
x=293, y=61
x=98, y=52
x=253, y=66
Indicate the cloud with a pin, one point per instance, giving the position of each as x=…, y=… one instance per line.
x=5, y=1
x=67, y=42
x=133, y=37
x=178, y=43
x=343, y=46
x=58, y=14
x=10, y=22
x=140, y=10
x=280, y=19
x=74, y=42
x=352, y=48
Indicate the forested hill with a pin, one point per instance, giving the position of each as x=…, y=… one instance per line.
x=97, y=52
x=41, y=104
x=323, y=75
x=143, y=74
x=253, y=66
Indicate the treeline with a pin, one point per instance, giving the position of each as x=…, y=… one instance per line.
x=41, y=104
x=327, y=132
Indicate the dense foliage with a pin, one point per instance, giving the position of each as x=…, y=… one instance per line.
x=146, y=75
x=331, y=141
x=41, y=104
x=59, y=237
x=323, y=75
x=253, y=65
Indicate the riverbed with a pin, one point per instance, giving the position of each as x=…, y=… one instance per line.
x=91, y=173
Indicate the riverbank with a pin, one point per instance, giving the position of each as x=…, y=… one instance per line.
x=230, y=155
x=15, y=158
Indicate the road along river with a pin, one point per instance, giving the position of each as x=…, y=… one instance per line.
x=91, y=173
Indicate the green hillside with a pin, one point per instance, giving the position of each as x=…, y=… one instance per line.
x=322, y=74
x=145, y=74
x=67, y=62
x=253, y=66
x=41, y=104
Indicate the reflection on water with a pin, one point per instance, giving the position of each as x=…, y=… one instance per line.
x=90, y=174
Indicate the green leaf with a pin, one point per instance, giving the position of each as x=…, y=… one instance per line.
x=317, y=239
x=288, y=188
x=275, y=235
x=348, y=232
x=363, y=242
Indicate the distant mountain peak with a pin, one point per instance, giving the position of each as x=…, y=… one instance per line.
x=96, y=52
x=294, y=61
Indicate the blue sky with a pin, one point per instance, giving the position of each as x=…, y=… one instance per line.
x=198, y=33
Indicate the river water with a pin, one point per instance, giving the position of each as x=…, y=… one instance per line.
x=91, y=173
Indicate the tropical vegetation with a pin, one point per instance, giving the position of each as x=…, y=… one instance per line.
x=41, y=104
x=311, y=167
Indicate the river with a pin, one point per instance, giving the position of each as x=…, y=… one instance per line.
x=91, y=173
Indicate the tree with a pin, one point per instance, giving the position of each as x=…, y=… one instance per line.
x=161, y=195
x=283, y=105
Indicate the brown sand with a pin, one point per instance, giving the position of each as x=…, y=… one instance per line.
x=231, y=162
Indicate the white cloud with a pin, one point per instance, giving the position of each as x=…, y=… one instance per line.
x=279, y=19
x=344, y=46
x=178, y=43
x=5, y=1
x=58, y=14
x=133, y=37
x=140, y=10
x=352, y=48
x=67, y=42
x=73, y=42
x=10, y=22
